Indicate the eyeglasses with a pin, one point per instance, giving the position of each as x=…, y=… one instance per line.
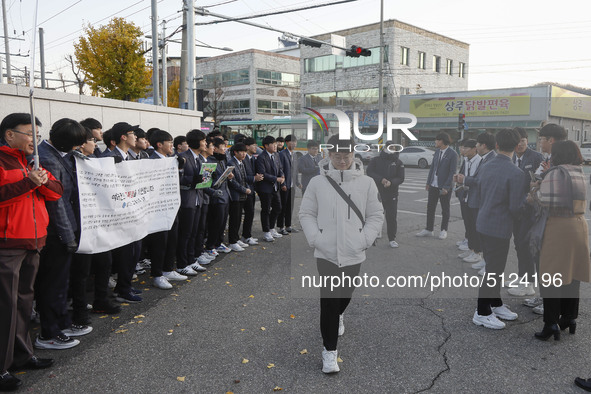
x=27, y=134
x=91, y=139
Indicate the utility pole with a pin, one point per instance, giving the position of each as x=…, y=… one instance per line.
x=6, y=46
x=191, y=52
x=183, y=94
x=381, y=85
x=42, y=57
x=164, y=67
x=155, y=81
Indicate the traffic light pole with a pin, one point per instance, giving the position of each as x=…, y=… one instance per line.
x=381, y=73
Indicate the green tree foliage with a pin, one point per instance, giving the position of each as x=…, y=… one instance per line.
x=112, y=60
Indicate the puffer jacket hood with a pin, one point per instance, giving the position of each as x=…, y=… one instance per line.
x=327, y=169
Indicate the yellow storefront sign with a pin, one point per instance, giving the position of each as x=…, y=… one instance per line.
x=470, y=106
x=567, y=104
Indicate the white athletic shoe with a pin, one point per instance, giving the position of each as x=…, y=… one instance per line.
x=329, y=361
x=490, y=321
x=425, y=233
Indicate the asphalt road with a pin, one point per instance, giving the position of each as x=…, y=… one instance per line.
x=251, y=306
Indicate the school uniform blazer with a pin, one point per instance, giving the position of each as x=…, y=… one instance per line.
x=62, y=213
x=445, y=167
x=235, y=185
x=501, y=201
x=474, y=181
x=219, y=170
x=270, y=173
x=530, y=161
x=190, y=197
x=249, y=168
x=287, y=161
x=308, y=168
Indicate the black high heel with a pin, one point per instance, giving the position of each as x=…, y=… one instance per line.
x=548, y=331
x=570, y=324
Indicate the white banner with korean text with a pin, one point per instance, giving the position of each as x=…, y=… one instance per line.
x=122, y=203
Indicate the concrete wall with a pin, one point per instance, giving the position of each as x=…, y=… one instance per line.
x=51, y=106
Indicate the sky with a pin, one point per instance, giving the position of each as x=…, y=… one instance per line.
x=512, y=43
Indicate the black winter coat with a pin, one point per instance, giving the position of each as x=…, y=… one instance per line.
x=388, y=166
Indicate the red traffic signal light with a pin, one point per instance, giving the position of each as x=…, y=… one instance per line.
x=461, y=121
x=356, y=51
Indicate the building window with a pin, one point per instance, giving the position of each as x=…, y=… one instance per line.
x=277, y=78
x=404, y=56
x=404, y=91
x=317, y=100
x=461, y=72
x=273, y=107
x=437, y=64
x=422, y=56
x=332, y=62
x=230, y=78
x=234, y=107
x=448, y=66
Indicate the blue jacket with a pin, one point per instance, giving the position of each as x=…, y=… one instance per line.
x=288, y=165
x=530, y=161
x=445, y=168
x=63, y=212
x=190, y=197
x=308, y=168
x=501, y=197
x=270, y=172
x=237, y=191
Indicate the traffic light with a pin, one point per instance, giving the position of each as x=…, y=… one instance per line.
x=461, y=121
x=356, y=51
x=310, y=43
x=202, y=99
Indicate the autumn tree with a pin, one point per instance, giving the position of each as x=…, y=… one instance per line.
x=112, y=60
x=173, y=93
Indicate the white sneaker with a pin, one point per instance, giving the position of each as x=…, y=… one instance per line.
x=442, y=234
x=203, y=260
x=473, y=258
x=329, y=361
x=174, y=275
x=341, y=326
x=490, y=321
x=275, y=234
x=465, y=254
x=236, y=248
x=539, y=310
x=223, y=248
x=187, y=271
x=197, y=267
x=251, y=241
x=464, y=241
x=522, y=290
x=533, y=302
x=76, y=330
x=112, y=282
x=503, y=312
x=481, y=264
x=425, y=233
x=244, y=245
x=482, y=271
x=268, y=237
x=162, y=283
x=464, y=247
x=393, y=244
x=212, y=253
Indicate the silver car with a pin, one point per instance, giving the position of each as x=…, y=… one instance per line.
x=586, y=151
x=417, y=156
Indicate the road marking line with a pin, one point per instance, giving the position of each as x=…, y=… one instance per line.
x=417, y=213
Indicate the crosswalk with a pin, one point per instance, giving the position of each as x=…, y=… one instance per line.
x=413, y=184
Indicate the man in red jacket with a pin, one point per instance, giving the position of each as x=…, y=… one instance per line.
x=23, y=230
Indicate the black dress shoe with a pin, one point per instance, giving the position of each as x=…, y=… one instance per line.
x=105, y=307
x=9, y=382
x=571, y=324
x=548, y=331
x=35, y=363
x=283, y=232
x=585, y=384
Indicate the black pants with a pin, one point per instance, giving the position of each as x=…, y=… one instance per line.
x=101, y=268
x=473, y=235
x=464, y=211
x=561, y=302
x=333, y=303
x=188, y=222
x=390, y=204
x=125, y=259
x=216, y=225
x=157, y=247
x=79, y=273
x=495, y=251
x=270, y=208
x=171, y=244
x=435, y=196
x=525, y=261
x=51, y=287
x=201, y=229
x=248, y=215
x=235, y=213
x=286, y=197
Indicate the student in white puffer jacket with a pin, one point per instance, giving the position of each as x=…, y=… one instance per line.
x=338, y=235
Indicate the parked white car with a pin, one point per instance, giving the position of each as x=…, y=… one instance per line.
x=586, y=151
x=417, y=156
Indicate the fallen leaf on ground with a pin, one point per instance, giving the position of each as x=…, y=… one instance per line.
x=138, y=316
x=115, y=317
x=102, y=317
x=242, y=329
x=120, y=331
x=229, y=392
x=236, y=381
x=263, y=328
x=251, y=296
x=140, y=321
x=292, y=316
x=339, y=359
x=277, y=388
x=171, y=331
x=143, y=282
x=174, y=295
x=305, y=351
x=124, y=304
x=280, y=297
x=279, y=321
x=180, y=378
x=20, y=373
x=271, y=365
x=439, y=310
x=178, y=324
x=244, y=361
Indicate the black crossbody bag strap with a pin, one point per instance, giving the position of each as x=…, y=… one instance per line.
x=346, y=198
